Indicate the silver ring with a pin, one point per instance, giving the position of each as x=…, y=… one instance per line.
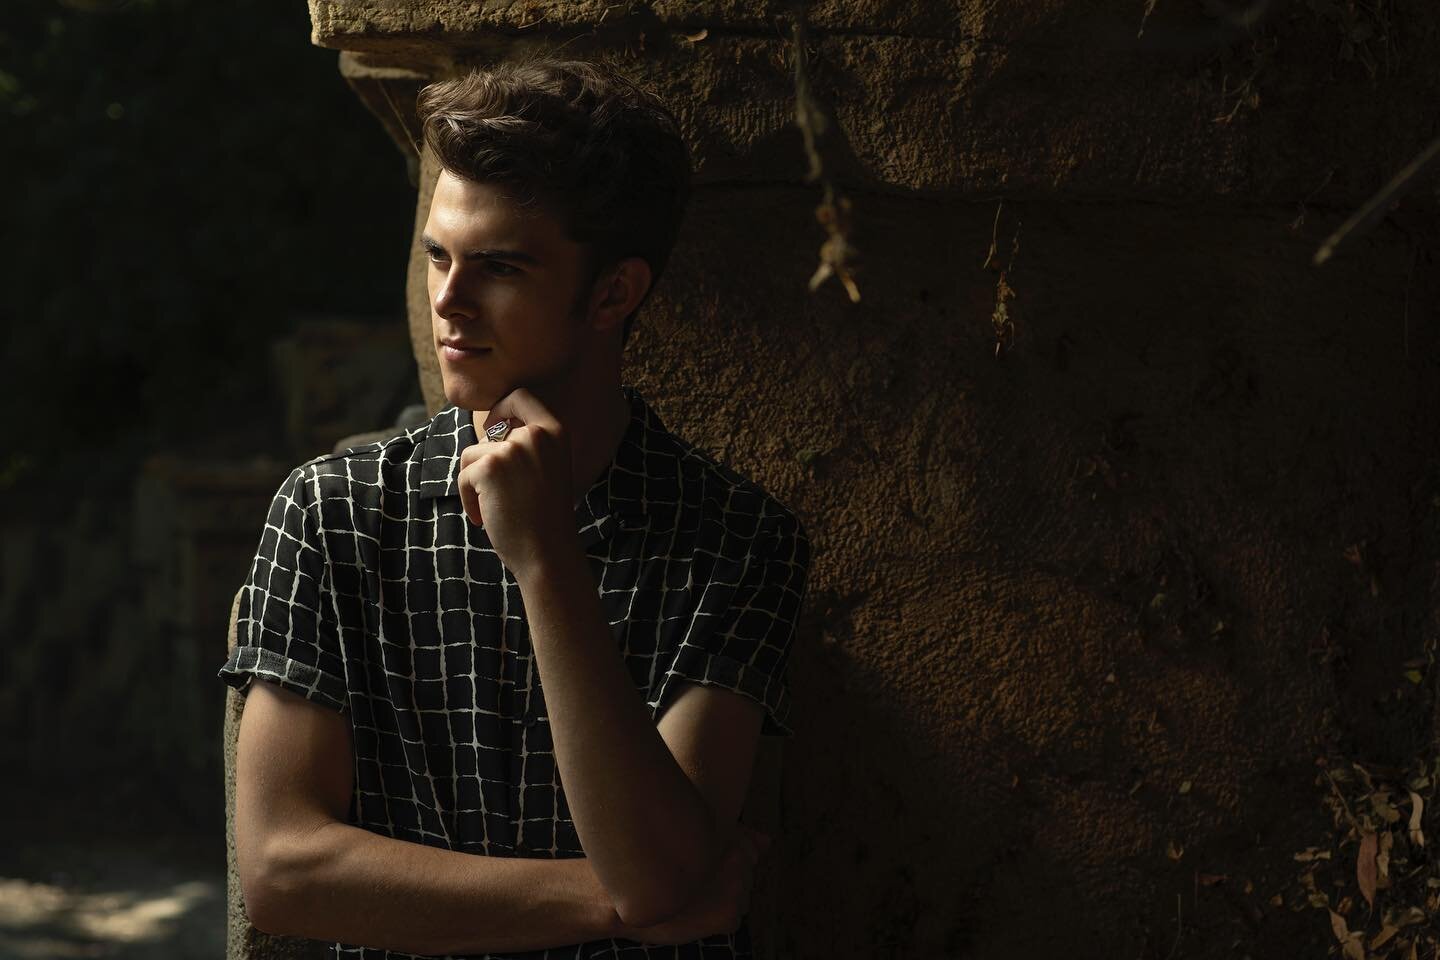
x=497, y=431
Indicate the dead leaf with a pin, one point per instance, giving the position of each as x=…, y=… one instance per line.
x=1417, y=807
x=1365, y=869
x=1311, y=854
x=1383, y=937
x=1174, y=851
x=1382, y=860
x=1409, y=916
x=1210, y=879
x=1380, y=801
x=1364, y=775
x=1185, y=787
x=1352, y=944
x=1313, y=894
x=1337, y=924
x=698, y=36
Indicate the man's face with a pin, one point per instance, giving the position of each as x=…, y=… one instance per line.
x=505, y=281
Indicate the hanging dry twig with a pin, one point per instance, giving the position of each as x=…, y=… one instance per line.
x=1000, y=321
x=837, y=255
x=994, y=232
x=1376, y=207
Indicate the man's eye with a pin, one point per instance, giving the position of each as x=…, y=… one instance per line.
x=502, y=269
x=435, y=256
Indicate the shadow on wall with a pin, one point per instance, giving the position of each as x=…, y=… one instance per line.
x=1081, y=613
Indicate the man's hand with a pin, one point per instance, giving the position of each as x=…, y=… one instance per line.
x=722, y=903
x=519, y=489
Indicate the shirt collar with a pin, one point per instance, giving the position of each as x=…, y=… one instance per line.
x=639, y=486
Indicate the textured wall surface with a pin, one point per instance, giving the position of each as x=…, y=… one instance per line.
x=1086, y=609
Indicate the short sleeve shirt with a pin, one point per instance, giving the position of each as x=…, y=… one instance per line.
x=371, y=594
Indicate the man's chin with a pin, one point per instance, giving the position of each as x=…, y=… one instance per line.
x=470, y=395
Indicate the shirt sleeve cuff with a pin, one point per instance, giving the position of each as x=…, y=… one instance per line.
x=695, y=665
x=247, y=663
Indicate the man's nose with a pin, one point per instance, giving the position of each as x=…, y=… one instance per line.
x=451, y=297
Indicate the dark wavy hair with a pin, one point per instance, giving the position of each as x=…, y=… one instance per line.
x=579, y=139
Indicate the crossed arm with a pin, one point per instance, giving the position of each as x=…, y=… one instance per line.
x=650, y=803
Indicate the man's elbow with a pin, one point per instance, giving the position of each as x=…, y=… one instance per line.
x=647, y=911
x=274, y=892
x=263, y=903
x=668, y=894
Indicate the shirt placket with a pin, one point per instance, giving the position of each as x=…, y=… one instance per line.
x=517, y=662
x=527, y=701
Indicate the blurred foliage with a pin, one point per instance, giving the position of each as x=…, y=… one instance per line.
x=181, y=179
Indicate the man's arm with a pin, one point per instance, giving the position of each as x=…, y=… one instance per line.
x=650, y=801
x=305, y=872
x=653, y=837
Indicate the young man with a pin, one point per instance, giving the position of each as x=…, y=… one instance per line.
x=517, y=660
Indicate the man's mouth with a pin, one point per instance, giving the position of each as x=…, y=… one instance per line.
x=459, y=344
x=459, y=350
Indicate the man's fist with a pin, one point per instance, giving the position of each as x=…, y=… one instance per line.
x=519, y=489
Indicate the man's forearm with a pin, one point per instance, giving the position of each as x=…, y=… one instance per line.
x=648, y=831
x=347, y=884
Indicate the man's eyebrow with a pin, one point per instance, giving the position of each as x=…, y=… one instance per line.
x=490, y=253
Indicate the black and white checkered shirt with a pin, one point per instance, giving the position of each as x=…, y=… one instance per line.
x=372, y=594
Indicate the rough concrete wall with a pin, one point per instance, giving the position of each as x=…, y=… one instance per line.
x=976, y=98
x=1085, y=609
x=1070, y=606
x=243, y=941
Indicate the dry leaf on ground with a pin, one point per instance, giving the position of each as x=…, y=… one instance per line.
x=1350, y=943
x=1365, y=869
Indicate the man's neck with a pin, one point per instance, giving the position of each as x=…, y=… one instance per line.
x=594, y=420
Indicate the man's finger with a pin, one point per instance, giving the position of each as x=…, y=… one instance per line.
x=470, y=500
x=469, y=497
x=521, y=407
x=471, y=453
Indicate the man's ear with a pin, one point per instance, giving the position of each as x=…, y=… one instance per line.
x=618, y=290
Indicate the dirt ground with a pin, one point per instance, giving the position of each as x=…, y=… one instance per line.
x=74, y=882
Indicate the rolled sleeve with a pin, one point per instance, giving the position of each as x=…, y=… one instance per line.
x=744, y=643
x=285, y=625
